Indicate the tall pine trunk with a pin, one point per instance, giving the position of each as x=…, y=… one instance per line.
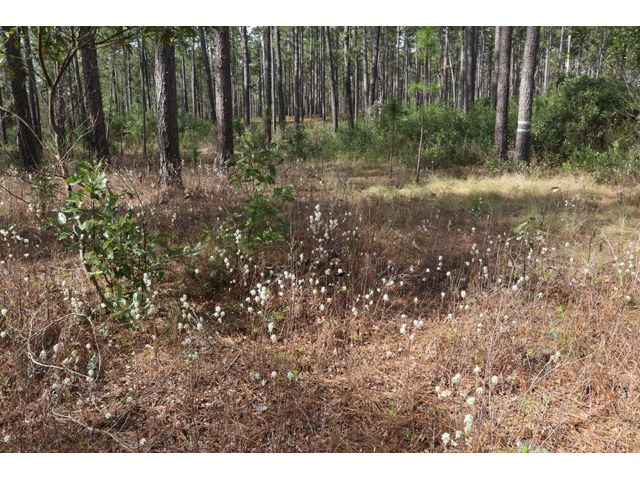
x=347, y=78
x=223, y=94
x=93, y=95
x=333, y=78
x=373, y=76
x=523, y=134
x=211, y=99
x=246, y=95
x=167, y=108
x=27, y=141
x=502, y=103
x=266, y=67
x=281, y=110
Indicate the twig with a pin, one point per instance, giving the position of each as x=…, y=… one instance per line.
x=60, y=417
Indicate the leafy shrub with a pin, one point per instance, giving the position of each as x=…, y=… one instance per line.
x=121, y=257
x=253, y=173
x=577, y=113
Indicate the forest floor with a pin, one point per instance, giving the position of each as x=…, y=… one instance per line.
x=469, y=313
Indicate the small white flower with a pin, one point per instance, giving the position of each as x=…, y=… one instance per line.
x=446, y=438
x=4, y=312
x=389, y=353
x=494, y=380
x=107, y=415
x=274, y=374
x=403, y=329
x=196, y=271
x=7, y=438
x=273, y=337
x=476, y=370
x=463, y=294
x=471, y=400
x=142, y=441
x=456, y=378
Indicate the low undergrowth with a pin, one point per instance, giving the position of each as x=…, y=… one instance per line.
x=476, y=314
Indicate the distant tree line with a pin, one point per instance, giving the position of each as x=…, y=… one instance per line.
x=78, y=81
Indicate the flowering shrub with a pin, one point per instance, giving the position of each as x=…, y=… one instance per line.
x=122, y=259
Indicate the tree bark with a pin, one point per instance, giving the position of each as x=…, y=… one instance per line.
x=27, y=142
x=34, y=104
x=496, y=68
x=470, y=67
x=143, y=100
x=281, y=110
x=568, y=63
x=246, y=94
x=223, y=94
x=373, y=76
x=523, y=134
x=502, y=104
x=167, y=108
x=347, y=78
x=334, y=80
x=547, y=59
x=296, y=76
x=266, y=67
x=211, y=104
x=93, y=95
x=365, y=74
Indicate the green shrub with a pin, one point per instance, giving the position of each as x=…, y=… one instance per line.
x=253, y=173
x=121, y=257
x=580, y=113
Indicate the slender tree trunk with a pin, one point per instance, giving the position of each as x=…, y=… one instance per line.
x=281, y=110
x=356, y=76
x=323, y=70
x=470, y=67
x=561, y=53
x=144, y=104
x=373, y=76
x=334, y=81
x=185, y=94
x=602, y=51
x=266, y=67
x=167, y=108
x=523, y=135
x=568, y=64
x=245, y=78
x=27, y=142
x=194, y=84
x=347, y=78
x=502, y=104
x=296, y=78
x=463, y=72
x=211, y=104
x=34, y=104
x=396, y=79
x=480, y=76
x=223, y=93
x=547, y=59
x=93, y=97
x=365, y=75
x=496, y=68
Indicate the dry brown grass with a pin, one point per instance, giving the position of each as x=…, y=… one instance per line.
x=563, y=344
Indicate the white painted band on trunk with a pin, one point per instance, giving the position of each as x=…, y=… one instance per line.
x=523, y=130
x=523, y=122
